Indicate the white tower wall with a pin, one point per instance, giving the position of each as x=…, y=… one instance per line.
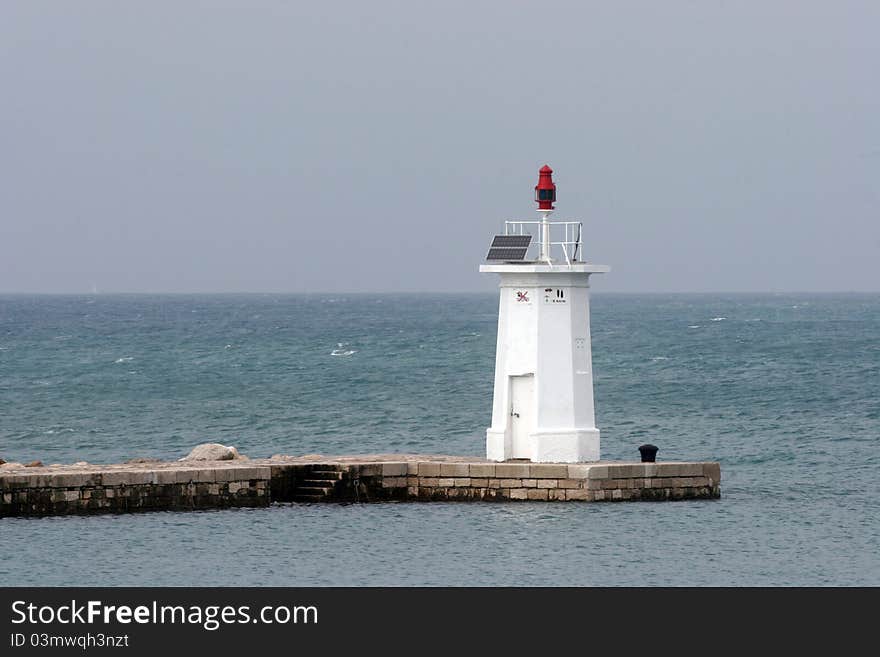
x=543, y=400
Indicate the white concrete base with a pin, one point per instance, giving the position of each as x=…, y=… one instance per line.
x=566, y=447
x=577, y=446
x=497, y=445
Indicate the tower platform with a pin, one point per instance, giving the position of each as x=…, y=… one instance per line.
x=195, y=485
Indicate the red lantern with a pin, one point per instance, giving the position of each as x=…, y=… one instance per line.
x=545, y=190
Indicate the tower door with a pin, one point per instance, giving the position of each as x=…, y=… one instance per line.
x=522, y=415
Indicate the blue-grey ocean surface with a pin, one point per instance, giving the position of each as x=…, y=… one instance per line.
x=784, y=390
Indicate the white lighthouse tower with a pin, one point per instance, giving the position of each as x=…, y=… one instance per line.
x=543, y=402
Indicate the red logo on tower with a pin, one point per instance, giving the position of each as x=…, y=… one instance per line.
x=522, y=296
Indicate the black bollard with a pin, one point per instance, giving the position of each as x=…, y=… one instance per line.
x=649, y=453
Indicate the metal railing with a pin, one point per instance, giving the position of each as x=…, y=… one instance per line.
x=569, y=246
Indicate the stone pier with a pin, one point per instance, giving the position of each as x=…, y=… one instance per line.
x=183, y=486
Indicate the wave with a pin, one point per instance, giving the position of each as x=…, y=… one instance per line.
x=718, y=319
x=341, y=350
x=124, y=359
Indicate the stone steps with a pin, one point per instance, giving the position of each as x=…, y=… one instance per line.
x=319, y=486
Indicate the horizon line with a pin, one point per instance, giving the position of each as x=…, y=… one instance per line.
x=410, y=292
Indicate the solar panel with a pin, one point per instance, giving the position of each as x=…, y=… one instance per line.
x=509, y=247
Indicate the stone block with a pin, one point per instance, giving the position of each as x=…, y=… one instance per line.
x=579, y=471
x=40, y=481
x=625, y=471
x=556, y=494
x=570, y=483
x=530, y=483
x=548, y=471
x=481, y=469
x=510, y=483
x=479, y=483
x=518, y=493
x=496, y=483
x=454, y=470
x=262, y=472
x=166, y=476
x=512, y=470
x=429, y=469
x=667, y=470
x=10, y=482
x=369, y=470
x=598, y=472
x=136, y=478
x=712, y=471
x=186, y=476
x=548, y=483
x=393, y=482
x=69, y=480
x=394, y=469
x=241, y=474
x=412, y=491
x=577, y=494
x=600, y=495
x=617, y=494
x=462, y=482
x=536, y=494
x=117, y=478
x=412, y=469
x=206, y=476
x=690, y=469
x=446, y=482
x=429, y=482
x=71, y=495
x=412, y=480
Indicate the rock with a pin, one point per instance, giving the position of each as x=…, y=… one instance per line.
x=143, y=459
x=10, y=465
x=2, y=461
x=212, y=452
x=34, y=464
x=81, y=463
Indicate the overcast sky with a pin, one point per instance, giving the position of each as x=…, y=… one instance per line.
x=376, y=146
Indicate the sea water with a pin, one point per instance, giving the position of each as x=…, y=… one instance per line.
x=783, y=390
